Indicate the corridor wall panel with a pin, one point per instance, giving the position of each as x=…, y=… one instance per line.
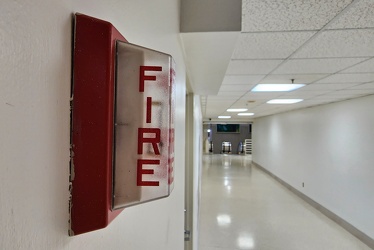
x=325, y=152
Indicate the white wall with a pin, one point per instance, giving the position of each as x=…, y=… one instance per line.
x=35, y=62
x=330, y=149
x=193, y=168
x=198, y=151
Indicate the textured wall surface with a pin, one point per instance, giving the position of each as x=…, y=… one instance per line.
x=329, y=149
x=35, y=73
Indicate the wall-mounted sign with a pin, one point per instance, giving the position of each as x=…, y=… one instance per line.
x=122, y=125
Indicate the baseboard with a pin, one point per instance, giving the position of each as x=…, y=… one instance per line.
x=343, y=223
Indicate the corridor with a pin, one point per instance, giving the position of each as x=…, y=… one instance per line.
x=244, y=208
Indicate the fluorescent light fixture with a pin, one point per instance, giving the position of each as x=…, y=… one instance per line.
x=236, y=110
x=224, y=117
x=246, y=114
x=276, y=87
x=284, y=101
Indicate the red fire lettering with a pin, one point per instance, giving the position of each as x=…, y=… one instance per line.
x=141, y=171
x=171, y=140
x=143, y=77
x=152, y=140
x=149, y=109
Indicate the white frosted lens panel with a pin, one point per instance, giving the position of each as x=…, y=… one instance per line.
x=143, y=161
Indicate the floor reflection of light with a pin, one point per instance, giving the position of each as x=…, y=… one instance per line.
x=245, y=241
x=226, y=160
x=223, y=220
x=226, y=182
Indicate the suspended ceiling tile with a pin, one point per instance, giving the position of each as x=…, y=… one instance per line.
x=337, y=98
x=359, y=15
x=242, y=79
x=275, y=15
x=251, y=103
x=298, y=78
x=314, y=101
x=328, y=86
x=279, y=45
x=339, y=43
x=230, y=93
x=325, y=97
x=316, y=66
x=216, y=97
x=216, y=110
x=240, y=88
x=351, y=92
x=262, y=95
x=219, y=105
x=364, y=67
x=240, y=104
x=222, y=101
x=348, y=78
x=237, y=105
x=304, y=94
x=264, y=107
x=212, y=114
x=364, y=86
x=264, y=114
x=222, y=98
x=251, y=67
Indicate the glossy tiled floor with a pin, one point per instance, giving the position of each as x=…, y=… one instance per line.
x=244, y=208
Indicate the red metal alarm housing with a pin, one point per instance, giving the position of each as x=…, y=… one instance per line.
x=122, y=125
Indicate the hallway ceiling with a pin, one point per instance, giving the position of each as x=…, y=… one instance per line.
x=327, y=45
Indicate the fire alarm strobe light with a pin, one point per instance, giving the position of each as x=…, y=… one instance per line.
x=122, y=125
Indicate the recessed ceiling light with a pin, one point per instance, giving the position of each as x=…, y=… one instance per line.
x=224, y=117
x=276, y=87
x=246, y=114
x=236, y=110
x=284, y=101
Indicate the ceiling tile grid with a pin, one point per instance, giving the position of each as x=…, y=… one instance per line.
x=242, y=79
x=251, y=67
x=316, y=66
x=359, y=15
x=242, y=88
x=368, y=86
x=304, y=94
x=297, y=78
x=261, y=95
x=325, y=44
x=348, y=78
x=233, y=94
x=278, y=45
x=339, y=43
x=351, y=92
x=328, y=86
x=363, y=67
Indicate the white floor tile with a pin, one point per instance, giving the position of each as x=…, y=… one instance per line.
x=244, y=208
